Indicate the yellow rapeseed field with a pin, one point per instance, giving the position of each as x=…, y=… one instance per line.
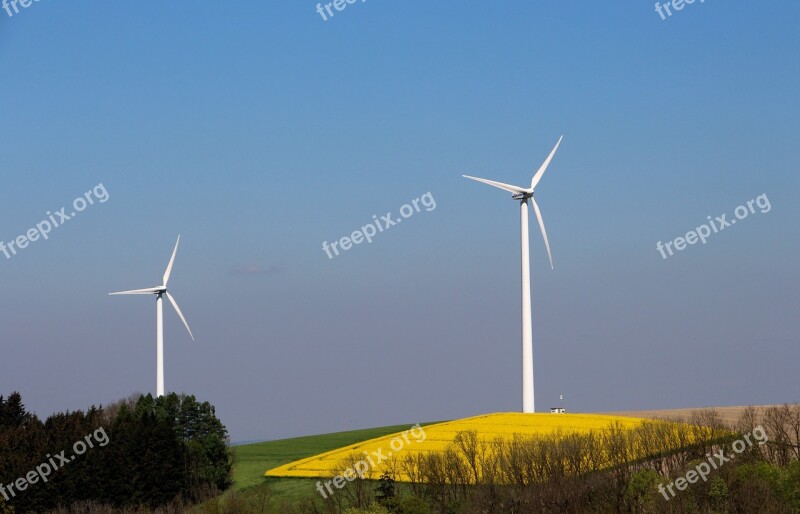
x=436, y=438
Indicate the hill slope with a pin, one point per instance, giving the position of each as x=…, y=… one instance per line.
x=252, y=460
x=383, y=454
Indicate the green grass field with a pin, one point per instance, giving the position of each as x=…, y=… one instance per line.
x=252, y=460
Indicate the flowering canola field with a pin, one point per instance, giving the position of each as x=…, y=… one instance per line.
x=383, y=452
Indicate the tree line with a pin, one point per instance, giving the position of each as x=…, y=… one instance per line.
x=157, y=451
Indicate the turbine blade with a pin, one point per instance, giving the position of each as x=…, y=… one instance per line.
x=149, y=290
x=180, y=314
x=544, y=232
x=501, y=185
x=171, y=262
x=538, y=176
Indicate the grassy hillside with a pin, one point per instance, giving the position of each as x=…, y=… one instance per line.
x=252, y=460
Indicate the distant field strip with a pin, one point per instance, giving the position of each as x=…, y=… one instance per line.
x=438, y=437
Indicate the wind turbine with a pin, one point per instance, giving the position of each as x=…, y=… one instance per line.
x=160, y=291
x=523, y=194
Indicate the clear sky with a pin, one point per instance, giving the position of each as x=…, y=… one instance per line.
x=257, y=131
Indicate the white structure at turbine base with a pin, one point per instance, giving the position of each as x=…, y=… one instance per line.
x=524, y=195
x=160, y=291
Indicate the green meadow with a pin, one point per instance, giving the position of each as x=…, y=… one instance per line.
x=253, y=460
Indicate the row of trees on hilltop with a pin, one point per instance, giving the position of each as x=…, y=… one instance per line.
x=157, y=451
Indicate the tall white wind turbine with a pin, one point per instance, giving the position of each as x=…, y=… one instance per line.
x=523, y=195
x=160, y=291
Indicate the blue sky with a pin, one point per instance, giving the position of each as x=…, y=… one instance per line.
x=256, y=130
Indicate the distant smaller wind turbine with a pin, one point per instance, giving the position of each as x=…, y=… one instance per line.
x=159, y=292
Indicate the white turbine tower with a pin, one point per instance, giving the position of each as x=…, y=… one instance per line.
x=523, y=194
x=159, y=292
